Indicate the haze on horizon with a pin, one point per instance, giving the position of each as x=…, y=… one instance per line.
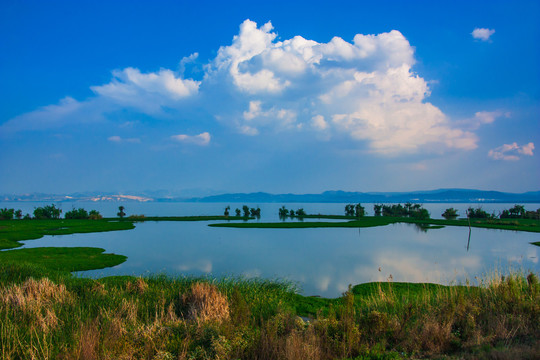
x=281, y=98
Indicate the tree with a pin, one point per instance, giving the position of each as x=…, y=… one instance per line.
x=300, y=213
x=6, y=214
x=226, y=213
x=421, y=214
x=121, y=213
x=517, y=211
x=450, y=214
x=477, y=213
x=94, y=215
x=246, y=210
x=18, y=214
x=283, y=212
x=237, y=212
x=408, y=208
x=76, y=214
x=377, y=209
x=360, y=211
x=47, y=212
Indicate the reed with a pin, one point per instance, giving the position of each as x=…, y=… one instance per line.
x=55, y=315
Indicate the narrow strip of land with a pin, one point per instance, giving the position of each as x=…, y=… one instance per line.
x=529, y=225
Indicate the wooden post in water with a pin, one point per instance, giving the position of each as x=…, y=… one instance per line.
x=469, y=220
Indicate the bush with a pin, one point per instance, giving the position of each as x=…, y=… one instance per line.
x=94, y=215
x=6, y=214
x=47, y=212
x=77, y=214
x=450, y=214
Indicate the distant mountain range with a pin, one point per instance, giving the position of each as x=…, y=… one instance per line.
x=442, y=195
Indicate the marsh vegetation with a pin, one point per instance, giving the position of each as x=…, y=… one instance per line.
x=50, y=314
x=46, y=312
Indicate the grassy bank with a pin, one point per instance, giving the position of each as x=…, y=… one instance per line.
x=64, y=258
x=13, y=231
x=50, y=314
x=369, y=221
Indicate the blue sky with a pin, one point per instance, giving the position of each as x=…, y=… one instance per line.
x=203, y=97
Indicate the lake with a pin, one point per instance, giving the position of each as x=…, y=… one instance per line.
x=321, y=261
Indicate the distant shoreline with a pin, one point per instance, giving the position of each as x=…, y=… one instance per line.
x=432, y=196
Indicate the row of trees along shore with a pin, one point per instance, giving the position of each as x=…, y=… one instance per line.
x=248, y=212
x=416, y=211
x=49, y=212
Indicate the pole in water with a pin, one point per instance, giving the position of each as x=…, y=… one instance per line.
x=469, y=220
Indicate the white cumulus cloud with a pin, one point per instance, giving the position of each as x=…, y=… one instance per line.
x=146, y=92
x=511, y=152
x=364, y=89
x=202, y=139
x=482, y=33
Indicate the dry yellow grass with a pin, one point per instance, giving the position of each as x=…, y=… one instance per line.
x=205, y=303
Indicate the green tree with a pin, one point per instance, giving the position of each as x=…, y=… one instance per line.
x=283, y=212
x=237, y=212
x=246, y=210
x=450, y=214
x=94, y=215
x=300, y=213
x=76, y=214
x=349, y=210
x=18, y=214
x=377, y=209
x=359, y=210
x=226, y=212
x=255, y=212
x=121, y=212
x=6, y=214
x=47, y=212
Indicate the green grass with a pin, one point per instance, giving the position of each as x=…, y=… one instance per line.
x=13, y=231
x=364, y=222
x=370, y=221
x=63, y=258
x=186, y=218
x=153, y=318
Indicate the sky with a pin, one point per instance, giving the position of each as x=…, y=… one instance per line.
x=209, y=97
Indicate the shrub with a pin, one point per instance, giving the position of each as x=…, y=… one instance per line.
x=47, y=212
x=94, y=215
x=450, y=214
x=6, y=214
x=77, y=214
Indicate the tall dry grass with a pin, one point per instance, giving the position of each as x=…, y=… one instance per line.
x=185, y=318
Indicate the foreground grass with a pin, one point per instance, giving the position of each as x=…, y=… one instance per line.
x=46, y=313
x=370, y=221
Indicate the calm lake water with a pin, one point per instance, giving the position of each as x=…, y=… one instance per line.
x=321, y=261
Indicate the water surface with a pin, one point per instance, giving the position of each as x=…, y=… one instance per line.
x=321, y=261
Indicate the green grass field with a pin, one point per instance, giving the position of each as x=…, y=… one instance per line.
x=47, y=313
x=13, y=231
x=369, y=221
